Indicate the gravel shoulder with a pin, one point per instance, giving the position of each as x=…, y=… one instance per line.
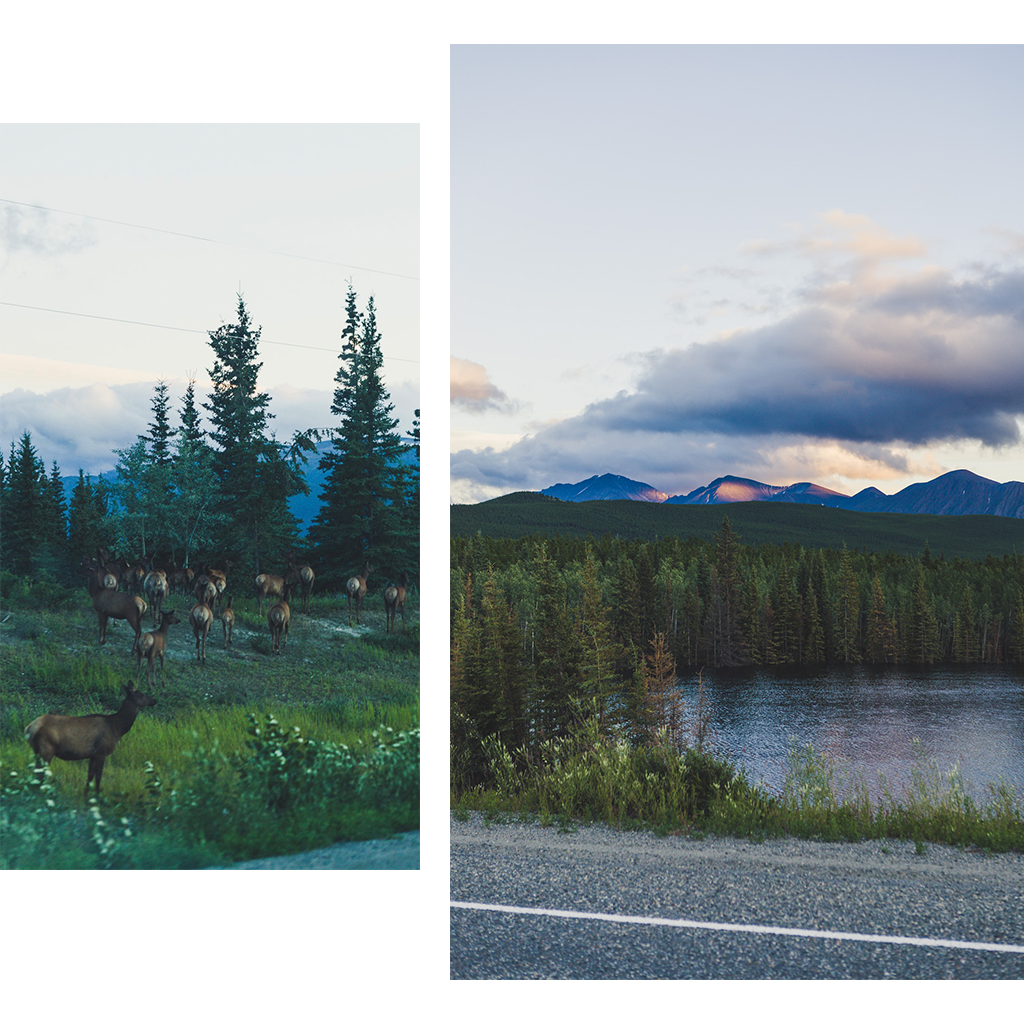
x=399, y=853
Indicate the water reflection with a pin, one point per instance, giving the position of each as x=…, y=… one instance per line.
x=870, y=718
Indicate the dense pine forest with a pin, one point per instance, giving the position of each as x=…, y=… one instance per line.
x=547, y=630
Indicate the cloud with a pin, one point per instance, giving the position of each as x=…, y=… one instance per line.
x=473, y=391
x=81, y=427
x=33, y=230
x=870, y=364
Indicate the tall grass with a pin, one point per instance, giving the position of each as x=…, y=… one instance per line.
x=591, y=777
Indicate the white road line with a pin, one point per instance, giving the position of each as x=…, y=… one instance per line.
x=755, y=928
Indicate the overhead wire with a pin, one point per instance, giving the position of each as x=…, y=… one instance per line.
x=181, y=234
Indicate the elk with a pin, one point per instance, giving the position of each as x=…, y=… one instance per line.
x=205, y=591
x=356, y=590
x=303, y=577
x=268, y=586
x=153, y=645
x=181, y=580
x=201, y=618
x=227, y=620
x=218, y=577
x=156, y=588
x=77, y=737
x=394, y=601
x=111, y=604
x=277, y=619
x=98, y=574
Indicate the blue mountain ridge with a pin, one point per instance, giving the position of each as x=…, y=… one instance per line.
x=959, y=492
x=303, y=506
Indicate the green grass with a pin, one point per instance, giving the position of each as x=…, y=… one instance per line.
x=351, y=696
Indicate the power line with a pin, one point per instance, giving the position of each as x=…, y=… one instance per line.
x=189, y=330
x=215, y=241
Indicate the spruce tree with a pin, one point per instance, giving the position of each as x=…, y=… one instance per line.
x=365, y=497
x=255, y=481
x=158, y=439
x=24, y=508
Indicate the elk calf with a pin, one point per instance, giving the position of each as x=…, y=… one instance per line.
x=153, y=645
x=200, y=619
x=277, y=619
x=356, y=591
x=394, y=601
x=227, y=620
x=77, y=737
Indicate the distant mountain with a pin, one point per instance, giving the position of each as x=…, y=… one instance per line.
x=957, y=493
x=606, y=487
x=303, y=506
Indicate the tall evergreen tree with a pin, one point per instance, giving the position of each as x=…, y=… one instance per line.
x=365, y=497
x=255, y=481
x=158, y=438
x=24, y=508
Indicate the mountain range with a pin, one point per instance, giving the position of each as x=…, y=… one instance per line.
x=957, y=493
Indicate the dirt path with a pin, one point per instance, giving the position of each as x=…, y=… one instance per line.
x=400, y=853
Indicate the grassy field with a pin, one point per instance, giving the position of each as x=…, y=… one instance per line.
x=251, y=754
x=757, y=522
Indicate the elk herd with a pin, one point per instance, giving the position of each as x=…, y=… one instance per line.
x=132, y=591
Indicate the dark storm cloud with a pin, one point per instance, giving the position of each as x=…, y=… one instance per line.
x=911, y=362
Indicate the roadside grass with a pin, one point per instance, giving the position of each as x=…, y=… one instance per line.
x=343, y=704
x=587, y=777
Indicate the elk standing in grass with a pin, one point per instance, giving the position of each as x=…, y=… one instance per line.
x=153, y=645
x=200, y=619
x=394, y=601
x=112, y=604
x=227, y=620
x=267, y=586
x=301, y=576
x=156, y=588
x=278, y=618
x=356, y=590
x=77, y=737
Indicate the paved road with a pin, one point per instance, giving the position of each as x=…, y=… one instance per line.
x=873, y=888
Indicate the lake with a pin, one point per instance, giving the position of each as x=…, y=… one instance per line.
x=870, y=718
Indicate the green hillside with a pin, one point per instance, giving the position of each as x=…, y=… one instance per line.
x=756, y=522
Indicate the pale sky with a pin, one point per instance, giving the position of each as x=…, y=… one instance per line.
x=93, y=224
x=789, y=263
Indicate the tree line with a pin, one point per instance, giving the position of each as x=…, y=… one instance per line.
x=546, y=629
x=184, y=493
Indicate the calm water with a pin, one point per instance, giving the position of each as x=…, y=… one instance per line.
x=870, y=718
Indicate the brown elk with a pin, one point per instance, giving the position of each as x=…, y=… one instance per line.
x=112, y=604
x=200, y=619
x=356, y=591
x=303, y=577
x=227, y=620
x=218, y=577
x=205, y=591
x=153, y=645
x=98, y=574
x=394, y=601
x=268, y=586
x=77, y=737
x=156, y=588
x=181, y=580
x=278, y=618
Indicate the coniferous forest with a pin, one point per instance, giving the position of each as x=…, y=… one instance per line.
x=184, y=494
x=547, y=631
